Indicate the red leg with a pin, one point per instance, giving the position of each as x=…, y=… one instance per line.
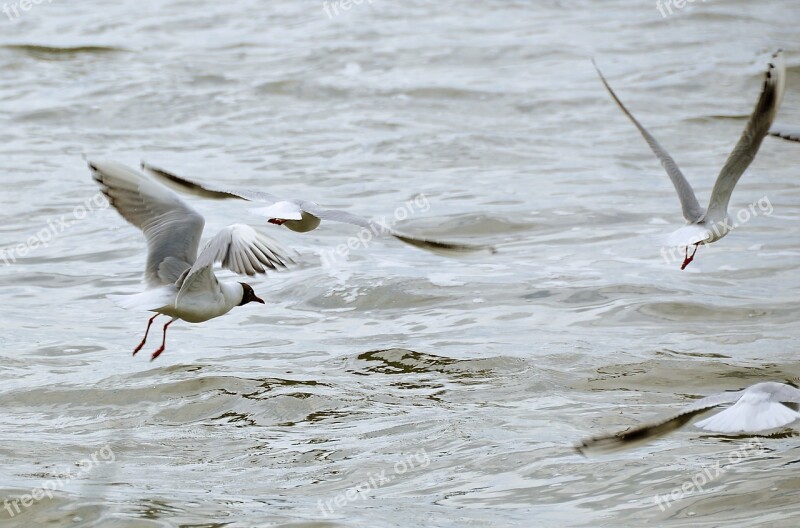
x=163, y=340
x=144, y=339
x=277, y=221
x=689, y=258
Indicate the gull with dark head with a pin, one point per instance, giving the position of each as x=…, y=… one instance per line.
x=297, y=215
x=180, y=282
x=704, y=226
x=760, y=407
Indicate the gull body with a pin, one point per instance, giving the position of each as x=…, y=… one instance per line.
x=181, y=283
x=705, y=226
x=199, y=303
x=760, y=407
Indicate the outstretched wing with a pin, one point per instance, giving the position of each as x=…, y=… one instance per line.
x=287, y=210
x=377, y=228
x=336, y=215
x=651, y=431
x=243, y=250
x=172, y=228
x=760, y=408
x=757, y=127
x=749, y=417
x=191, y=187
x=692, y=211
x=238, y=248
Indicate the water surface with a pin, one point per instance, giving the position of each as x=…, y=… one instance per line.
x=449, y=391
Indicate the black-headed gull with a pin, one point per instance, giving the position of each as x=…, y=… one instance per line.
x=298, y=215
x=180, y=283
x=789, y=133
x=758, y=408
x=705, y=226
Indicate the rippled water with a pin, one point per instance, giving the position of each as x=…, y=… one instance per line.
x=449, y=390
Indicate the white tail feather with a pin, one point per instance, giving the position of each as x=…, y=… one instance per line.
x=686, y=236
x=149, y=300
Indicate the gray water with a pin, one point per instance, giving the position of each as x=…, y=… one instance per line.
x=449, y=390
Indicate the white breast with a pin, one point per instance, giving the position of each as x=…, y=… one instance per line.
x=202, y=305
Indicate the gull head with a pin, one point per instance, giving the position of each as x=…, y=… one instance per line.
x=248, y=295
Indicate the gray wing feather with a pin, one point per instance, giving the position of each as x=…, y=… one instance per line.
x=335, y=215
x=187, y=186
x=190, y=187
x=757, y=127
x=692, y=211
x=243, y=250
x=378, y=228
x=172, y=228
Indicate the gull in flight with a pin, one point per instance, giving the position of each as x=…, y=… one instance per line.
x=180, y=283
x=704, y=226
x=760, y=407
x=298, y=215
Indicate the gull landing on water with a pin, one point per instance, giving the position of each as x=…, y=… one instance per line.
x=181, y=284
x=298, y=215
x=705, y=226
x=760, y=407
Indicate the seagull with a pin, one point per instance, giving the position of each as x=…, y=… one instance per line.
x=789, y=133
x=760, y=407
x=180, y=283
x=298, y=215
x=704, y=226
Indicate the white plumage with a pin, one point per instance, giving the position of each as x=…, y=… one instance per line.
x=296, y=214
x=758, y=408
x=181, y=284
x=708, y=225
